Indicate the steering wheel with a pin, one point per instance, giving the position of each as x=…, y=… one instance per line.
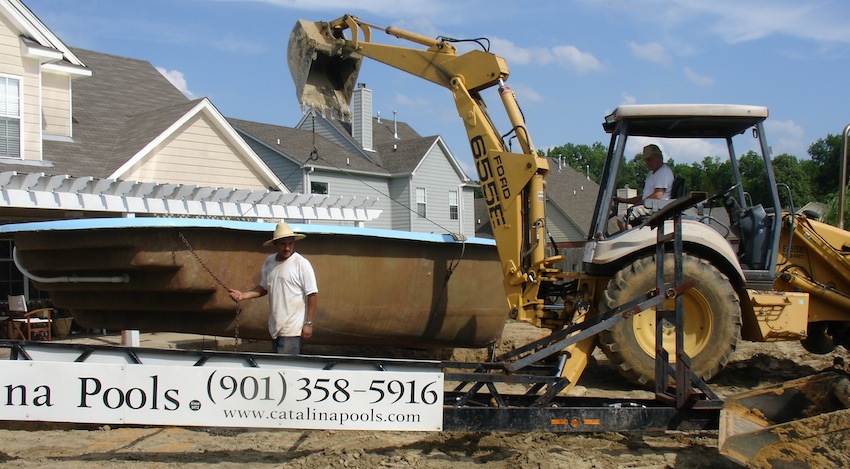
x=722, y=194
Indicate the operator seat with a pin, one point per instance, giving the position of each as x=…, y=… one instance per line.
x=753, y=227
x=678, y=189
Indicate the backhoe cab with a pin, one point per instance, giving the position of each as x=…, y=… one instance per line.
x=749, y=222
x=764, y=272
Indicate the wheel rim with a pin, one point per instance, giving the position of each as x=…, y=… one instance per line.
x=698, y=327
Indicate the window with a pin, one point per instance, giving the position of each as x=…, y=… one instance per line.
x=453, y=209
x=420, y=202
x=319, y=188
x=10, y=117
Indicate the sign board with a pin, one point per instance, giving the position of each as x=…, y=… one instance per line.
x=220, y=396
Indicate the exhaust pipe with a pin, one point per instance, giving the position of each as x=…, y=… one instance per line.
x=324, y=76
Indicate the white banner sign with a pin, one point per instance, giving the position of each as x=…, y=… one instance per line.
x=220, y=397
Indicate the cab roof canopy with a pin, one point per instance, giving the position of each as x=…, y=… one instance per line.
x=685, y=120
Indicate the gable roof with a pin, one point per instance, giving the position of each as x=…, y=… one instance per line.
x=176, y=117
x=120, y=114
x=39, y=40
x=298, y=144
x=569, y=191
x=404, y=156
x=397, y=147
x=573, y=193
x=104, y=105
x=392, y=157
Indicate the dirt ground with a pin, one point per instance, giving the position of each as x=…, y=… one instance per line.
x=76, y=446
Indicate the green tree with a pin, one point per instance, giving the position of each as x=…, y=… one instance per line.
x=586, y=159
x=831, y=214
x=826, y=154
x=754, y=178
x=808, y=179
x=788, y=170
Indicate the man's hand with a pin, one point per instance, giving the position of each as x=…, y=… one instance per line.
x=236, y=295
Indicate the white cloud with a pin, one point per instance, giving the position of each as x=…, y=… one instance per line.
x=233, y=44
x=408, y=101
x=378, y=7
x=735, y=21
x=582, y=62
x=783, y=136
x=786, y=137
x=525, y=93
x=746, y=21
x=564, y=55
x=627, y=98
x=177, y=79
x=652, y=51
x=698, y=79
x=514, y=54
x=681, y=151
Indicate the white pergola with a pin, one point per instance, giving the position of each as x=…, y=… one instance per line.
x=129, y=198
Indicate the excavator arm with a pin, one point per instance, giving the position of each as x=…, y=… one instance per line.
x=324, y=59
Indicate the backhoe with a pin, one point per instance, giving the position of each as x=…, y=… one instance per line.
x=762, y=271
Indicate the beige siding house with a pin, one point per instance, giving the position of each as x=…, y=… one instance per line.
x=79, y=113
x=87, y=134
x=202, y=149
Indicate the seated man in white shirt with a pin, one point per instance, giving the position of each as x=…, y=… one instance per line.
x=658, y=184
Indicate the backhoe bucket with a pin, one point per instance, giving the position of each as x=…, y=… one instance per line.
x=324, y=77
x=801, y=423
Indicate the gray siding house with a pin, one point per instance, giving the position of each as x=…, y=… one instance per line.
x=419, y=185
x=88, y=134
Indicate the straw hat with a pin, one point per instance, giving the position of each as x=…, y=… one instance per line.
x=282, y=230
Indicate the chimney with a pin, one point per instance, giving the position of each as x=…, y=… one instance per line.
x=395, y=125
x=361, y=116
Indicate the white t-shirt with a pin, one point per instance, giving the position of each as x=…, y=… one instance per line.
x=288, y=283
x=661, y=178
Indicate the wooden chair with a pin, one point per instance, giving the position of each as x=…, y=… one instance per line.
x=31, y=325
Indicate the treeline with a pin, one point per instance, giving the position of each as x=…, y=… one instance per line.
x=810, y=179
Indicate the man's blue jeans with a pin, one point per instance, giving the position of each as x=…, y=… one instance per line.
x=287, y=345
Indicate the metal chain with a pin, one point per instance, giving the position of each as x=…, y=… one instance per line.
x=314, y=155
x=220, y=282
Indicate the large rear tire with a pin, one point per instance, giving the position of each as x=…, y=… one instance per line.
x=712, y=320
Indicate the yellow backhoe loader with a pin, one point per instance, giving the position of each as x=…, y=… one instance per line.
x=786, y=277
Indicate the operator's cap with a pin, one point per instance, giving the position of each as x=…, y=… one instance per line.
x=282, y=230
x=651, y=150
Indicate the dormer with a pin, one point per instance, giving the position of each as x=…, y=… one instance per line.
x=36, y=75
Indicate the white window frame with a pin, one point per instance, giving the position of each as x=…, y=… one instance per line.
x=18, y=117
x=327, y=187
x=454, y=205
x=421, y=202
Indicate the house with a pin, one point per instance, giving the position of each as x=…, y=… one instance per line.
x=570, y=199
x=418, y=181
x=88, y=134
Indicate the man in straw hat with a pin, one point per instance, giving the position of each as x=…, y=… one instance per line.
x=658, y=184
x=288, y=278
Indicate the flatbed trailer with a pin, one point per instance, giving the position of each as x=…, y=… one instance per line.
x=476, y=396
x=516, y=391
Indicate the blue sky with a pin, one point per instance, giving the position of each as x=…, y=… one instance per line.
x=571, y=62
